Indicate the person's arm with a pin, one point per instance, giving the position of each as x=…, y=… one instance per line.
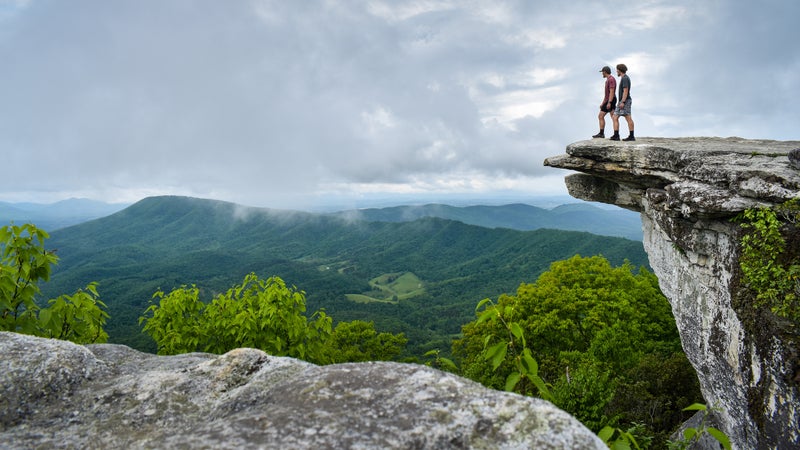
x=624, y=95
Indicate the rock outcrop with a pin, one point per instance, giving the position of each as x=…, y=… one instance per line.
x=54, y=394
x=687, y=190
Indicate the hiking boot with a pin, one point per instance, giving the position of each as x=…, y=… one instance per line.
x=629, y=138
x=614, y=138
x=599, y=135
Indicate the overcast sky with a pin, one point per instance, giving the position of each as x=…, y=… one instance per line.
x=294, y=103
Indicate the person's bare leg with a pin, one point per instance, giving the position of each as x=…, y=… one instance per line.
x=630, y=137
x=601, y=118
x=615, y=121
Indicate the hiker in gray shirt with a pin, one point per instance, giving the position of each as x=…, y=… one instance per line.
x=624, y=105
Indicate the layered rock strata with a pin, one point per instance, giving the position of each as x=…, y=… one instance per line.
x=687, y=191
x=54, y=394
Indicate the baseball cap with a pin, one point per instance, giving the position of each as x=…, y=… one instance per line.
x=606, y=69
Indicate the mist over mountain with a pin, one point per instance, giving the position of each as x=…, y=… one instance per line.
x=518, y=216
x=548, y=212
x=422, y=277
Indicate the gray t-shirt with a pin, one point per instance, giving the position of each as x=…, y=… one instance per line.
x=624, y=82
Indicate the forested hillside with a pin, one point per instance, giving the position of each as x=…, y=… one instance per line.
x=422, y=277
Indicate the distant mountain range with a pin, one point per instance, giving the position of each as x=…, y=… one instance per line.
x=574, y=217
x=422, y=277
x=57, y=215
x=518, y=216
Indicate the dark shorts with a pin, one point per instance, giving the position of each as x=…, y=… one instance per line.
x=605, y=107
x=625, y=110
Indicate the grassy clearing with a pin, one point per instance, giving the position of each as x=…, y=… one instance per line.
x=391, y=288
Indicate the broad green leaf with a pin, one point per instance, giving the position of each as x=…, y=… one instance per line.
x=44, y=316
x=516, y=330
x=632, y=440
x=487, y=314
x=720, y=436
x=529, y=364
x=606, y=433
x=481, y=303
x=696, y=407
x=448, y=363
x=620, y=444
x=496, y=354
x=512, y=380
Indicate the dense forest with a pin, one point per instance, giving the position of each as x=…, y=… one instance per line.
x=166, y=242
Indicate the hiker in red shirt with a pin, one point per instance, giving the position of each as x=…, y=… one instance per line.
x=609, y=101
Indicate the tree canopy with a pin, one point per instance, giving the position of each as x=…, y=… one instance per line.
x=263, y=314
x=604, y=339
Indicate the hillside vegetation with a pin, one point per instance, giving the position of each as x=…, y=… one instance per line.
x=162, y=243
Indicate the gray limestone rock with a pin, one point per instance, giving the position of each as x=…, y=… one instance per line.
x=794, y=158
x=687, y=190
x=55, y=394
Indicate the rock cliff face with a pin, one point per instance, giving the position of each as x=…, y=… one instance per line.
x=687, y=190
x=54, y=394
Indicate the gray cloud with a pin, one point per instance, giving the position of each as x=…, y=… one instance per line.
x=273, y=102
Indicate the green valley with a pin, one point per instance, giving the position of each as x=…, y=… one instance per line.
x=420, y=277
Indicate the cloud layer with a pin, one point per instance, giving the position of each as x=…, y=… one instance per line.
x=276, y=103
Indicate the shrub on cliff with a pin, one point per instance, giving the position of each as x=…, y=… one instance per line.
x=770, y=269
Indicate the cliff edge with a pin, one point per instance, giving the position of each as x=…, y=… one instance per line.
x=687, y=191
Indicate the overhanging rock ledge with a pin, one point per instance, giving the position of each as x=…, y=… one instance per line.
x=687, y=191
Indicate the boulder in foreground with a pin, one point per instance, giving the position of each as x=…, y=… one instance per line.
x=57, y=394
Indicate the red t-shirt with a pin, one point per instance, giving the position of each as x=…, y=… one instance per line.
x=611, y=86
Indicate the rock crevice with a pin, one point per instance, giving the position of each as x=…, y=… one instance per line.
x=687, y=191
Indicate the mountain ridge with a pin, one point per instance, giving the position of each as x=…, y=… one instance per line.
x=518, y=216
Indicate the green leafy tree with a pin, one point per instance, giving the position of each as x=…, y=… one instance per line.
x=511, y=343
x=590, y=328
x=176, y=322
x=358, y=341
x=24, y=264
x=263, y=314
